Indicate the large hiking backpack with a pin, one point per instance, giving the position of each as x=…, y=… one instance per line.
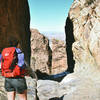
x=9, y=62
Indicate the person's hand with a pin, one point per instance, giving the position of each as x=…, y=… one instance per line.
x=26, y=73
x=10, y=74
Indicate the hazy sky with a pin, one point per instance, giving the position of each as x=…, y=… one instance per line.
x=49, y=15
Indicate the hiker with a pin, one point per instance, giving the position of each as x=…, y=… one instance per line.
x=13, y=69
x=0, y=60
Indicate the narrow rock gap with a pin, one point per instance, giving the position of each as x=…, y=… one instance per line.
x=69, y=41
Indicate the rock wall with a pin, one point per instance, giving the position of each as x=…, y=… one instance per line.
x=41, y=54
x=52, y=60
x=14, y=22
x=59, y=57
x=86, y=48
x=84, y=83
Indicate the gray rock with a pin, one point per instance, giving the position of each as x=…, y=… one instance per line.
x=47, y=89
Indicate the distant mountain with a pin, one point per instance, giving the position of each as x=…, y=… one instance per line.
x=56, y=35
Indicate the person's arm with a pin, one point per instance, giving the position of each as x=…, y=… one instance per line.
x=16, y=72
x=0, y=60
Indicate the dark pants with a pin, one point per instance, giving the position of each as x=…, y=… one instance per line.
x=15, y=84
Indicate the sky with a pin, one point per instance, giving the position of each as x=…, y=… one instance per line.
x=49, y=15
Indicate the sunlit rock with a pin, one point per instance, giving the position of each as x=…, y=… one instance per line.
x=40, y=52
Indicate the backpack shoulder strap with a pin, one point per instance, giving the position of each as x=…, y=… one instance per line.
x=18, y=51
x=14, y=61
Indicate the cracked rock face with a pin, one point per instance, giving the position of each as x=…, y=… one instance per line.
x=86, y=22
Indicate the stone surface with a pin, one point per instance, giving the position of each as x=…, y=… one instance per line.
x=86, y=32
x=3, y=95
x=84, y=83
x=14, y=22
x=87, y=36
x=40, y=52
x=59, y=58
x=47, y=89
x=50, y=60
x=72, y=87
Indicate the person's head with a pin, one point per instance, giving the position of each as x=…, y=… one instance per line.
x=13, y=42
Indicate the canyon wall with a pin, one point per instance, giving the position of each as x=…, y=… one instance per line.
x=49, y=59
x=14, y=22
x=83, y=42
x=59, y=57
x=86, y=30
x=41, y=54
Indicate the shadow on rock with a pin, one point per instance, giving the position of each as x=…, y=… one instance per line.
x=56, y=77
x=56, y=98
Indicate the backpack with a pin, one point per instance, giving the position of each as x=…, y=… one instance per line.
x=9, y=63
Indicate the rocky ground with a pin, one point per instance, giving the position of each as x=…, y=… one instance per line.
x=72, y=87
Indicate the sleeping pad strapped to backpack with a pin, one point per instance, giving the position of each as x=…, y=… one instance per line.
x=9, y=62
